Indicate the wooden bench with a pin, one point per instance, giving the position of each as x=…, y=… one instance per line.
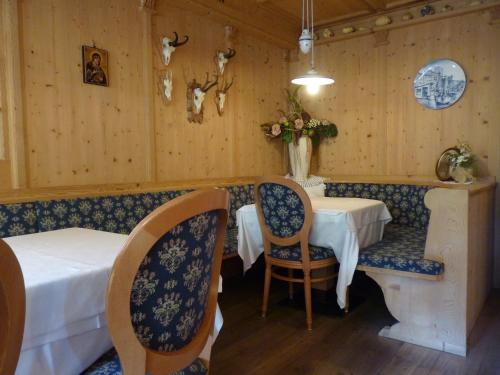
x=435, y=291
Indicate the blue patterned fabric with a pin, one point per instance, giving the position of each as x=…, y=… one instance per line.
x=293, y=253
x=405, y=202
x=118, y=214
x=282, y=209
x=109, y=364
x=239, y=196
x=170, y=290
x=231, y=242
x=17, y=219
x=401, y=249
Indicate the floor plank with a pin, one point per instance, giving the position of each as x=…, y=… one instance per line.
x=339, y=344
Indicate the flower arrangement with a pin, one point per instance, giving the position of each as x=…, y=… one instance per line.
x=297, y=123
x=464, y=158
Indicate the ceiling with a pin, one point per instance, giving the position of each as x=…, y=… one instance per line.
x=328, y=11
x=279, y=21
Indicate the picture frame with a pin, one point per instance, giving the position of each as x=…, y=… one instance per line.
x=439, y=84
x=95, y=66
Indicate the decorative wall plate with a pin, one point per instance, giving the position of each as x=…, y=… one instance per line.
x=439, y=84
x=443, y=164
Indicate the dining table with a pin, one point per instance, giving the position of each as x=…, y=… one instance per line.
x=66, y=274
x=342, y=224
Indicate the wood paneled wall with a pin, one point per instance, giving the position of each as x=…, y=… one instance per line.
x=77, y=134
x=382, y=128
x=228, y=146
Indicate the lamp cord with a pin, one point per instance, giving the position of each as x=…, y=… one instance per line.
x=312, y=34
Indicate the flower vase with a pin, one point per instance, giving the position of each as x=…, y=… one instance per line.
x=462, y=175
x=300, y=158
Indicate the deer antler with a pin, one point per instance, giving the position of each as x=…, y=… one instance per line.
x=226, y=86
x=209, y=84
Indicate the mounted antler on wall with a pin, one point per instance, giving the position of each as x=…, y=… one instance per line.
x=165, y=86
x=169, y=46
x=220, y=95
x=222, y=58
x=195, y=97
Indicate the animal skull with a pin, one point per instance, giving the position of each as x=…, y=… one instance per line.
x=167, y=82
x=169, y=46
x=195, y=97
x=222, y=58
x=220, y=96
x=198, y=98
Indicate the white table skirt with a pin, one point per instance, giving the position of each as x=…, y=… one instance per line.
x=343, y=224
x=66, y=274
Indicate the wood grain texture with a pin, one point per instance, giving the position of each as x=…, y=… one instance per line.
x=228, y=146
x=346, y=344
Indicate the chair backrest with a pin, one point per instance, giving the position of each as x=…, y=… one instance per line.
x=12, y=309
x=162, y=293
x=284, y=211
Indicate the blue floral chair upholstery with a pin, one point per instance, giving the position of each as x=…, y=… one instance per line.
x=170, y=291
x=293, y=253
x=17, y=219
x=401, y=249
x=282, y=209
x=405, y=202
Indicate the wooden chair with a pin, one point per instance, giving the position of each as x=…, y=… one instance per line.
x=285, y=217
x=162, y=292
x=12, y=309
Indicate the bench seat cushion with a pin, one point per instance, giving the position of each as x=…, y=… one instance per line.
x=293, y=253
x=401, y=249
x=17, y=219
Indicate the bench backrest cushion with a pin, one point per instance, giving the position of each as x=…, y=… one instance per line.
x=241, y=195
x=17, y=219
x=118, y=213
x=405, y=202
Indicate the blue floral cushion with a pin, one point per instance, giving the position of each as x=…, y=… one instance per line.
x=282, y=209
x=109, y=364
x=231, y=242
x=293, y=252
x=401, y=249
x=405, y=202
x=17, y=219
x=170, y=290
x=118, y=214
x=239, y=196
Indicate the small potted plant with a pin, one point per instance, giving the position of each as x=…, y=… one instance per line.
x=462, y=164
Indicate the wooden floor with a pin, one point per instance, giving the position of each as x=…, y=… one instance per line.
x=280, y=343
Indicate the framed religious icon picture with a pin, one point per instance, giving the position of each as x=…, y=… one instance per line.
x=95, y=66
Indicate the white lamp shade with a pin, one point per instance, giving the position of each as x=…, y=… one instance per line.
x=313, y=78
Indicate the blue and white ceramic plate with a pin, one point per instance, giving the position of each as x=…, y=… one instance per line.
x=439, y=84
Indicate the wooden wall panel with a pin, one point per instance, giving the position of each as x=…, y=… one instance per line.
x=382, y=129
x=79, y=133
x=227, y=146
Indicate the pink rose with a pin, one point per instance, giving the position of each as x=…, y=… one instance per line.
x=276, y=130
x=283, y=119
x=299, y=124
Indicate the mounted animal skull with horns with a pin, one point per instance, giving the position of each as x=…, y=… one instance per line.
x=165, y=86
x=195, y=97
x=220, y=95
x=169, y=46
x=222, y=58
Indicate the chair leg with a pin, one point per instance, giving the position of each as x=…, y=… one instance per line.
x=267, y=286
x=346, y=308
x=290, y=284
x=307, y=294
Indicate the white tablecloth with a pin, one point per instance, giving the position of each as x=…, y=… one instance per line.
x=66, y=274
x=343, y=224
